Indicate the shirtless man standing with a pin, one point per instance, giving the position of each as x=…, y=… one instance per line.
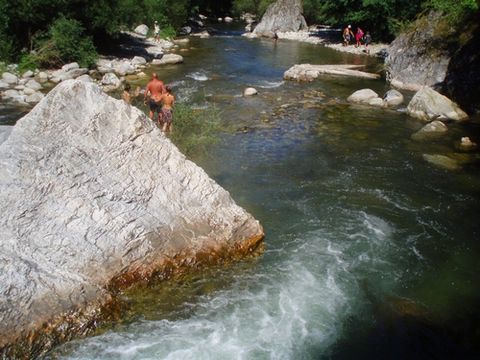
x=154, y=91
x=168, y=100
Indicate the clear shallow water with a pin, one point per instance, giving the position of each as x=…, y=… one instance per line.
x=371, y=252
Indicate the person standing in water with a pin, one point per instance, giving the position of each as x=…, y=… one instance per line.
x=168, y=100
x=153, y=92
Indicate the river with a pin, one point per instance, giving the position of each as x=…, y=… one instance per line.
x=371, y=252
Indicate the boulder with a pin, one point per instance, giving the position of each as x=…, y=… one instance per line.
x=85, y=77
x=42, y=77
x=14, y=96
x=431, y=130
x=28, y=74
x=111, y=82
x=141, y=30
x=74, y=73
x=138, y=60
x=168, y=59
x=94, y=197
x=428, y=105
x=228, y=19
x=283, y=16
x=34, y=98
x=308, y=72
x=27, y=91
x=60, y=75
x=4, y=85
x=412, y=61
x=34, y=85
x=363, y=96
x=250, y=91
x=155, y=51
x=9, y=78
x=71, y=66
x=393, y=98
x=123, y=68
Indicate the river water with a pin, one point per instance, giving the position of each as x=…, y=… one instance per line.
x=371, y=252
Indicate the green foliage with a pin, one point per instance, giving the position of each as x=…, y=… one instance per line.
x=66, y=42
x=168, y=32
x=27, y=62
x=455, y=10
x=194, y=130
x=257, y=7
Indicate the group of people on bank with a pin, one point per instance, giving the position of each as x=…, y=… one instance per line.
x=159, y=99
x=359, y=37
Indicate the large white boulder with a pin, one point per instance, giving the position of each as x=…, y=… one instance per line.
x=428, y=105
x=93, y=196
x=141, y=30
x=363, y=96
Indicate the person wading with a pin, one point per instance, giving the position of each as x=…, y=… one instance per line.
x=168, y=100
x=153, y=93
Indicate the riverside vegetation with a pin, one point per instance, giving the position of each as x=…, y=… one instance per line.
x=49, y=33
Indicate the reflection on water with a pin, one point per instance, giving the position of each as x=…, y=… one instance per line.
x=371, y=251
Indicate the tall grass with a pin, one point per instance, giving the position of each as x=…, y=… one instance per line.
x=194, y=130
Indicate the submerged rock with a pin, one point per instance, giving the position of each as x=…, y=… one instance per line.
x=363, y=96
x=93, y=197
x=442, y=161
x=431, y=130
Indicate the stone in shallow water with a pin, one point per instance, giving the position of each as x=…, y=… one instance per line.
x=442, y=161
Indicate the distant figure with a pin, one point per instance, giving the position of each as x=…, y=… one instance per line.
x=367, y=39
x=126, y=94
x=168, y=100
x=275, y=36
x=154, y=91
x=156, y=31
x=347, y=35
x=358, y=37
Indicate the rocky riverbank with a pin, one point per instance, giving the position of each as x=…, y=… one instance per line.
x=110, y=72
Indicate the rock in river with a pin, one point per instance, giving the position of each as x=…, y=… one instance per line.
x=93, y=197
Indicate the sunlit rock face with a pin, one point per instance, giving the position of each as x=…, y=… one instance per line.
x=93, y=196
x=281, y=16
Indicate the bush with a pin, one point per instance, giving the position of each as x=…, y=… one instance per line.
x=168, y=32
x=455, y=10
x=194, y=130
x=66, y=42
x=27, y=62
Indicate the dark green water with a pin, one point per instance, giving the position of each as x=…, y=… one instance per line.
x=371, y=252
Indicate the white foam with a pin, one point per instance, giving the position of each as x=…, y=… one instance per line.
x=198, y=75
x=270, y=84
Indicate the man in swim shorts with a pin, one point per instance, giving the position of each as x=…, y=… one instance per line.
x=347, y=35
x=168, y=100
x=154, y=91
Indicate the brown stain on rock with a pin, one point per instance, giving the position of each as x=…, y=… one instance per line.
x=84, y=320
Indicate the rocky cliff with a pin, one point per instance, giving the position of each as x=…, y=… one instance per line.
x=433, y=53
x=93, y=197
x=281, y=16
